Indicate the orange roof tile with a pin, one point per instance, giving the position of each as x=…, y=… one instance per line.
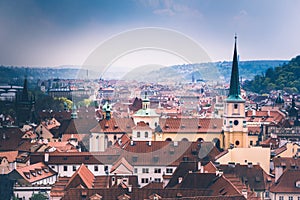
x=82, y=175
x=10, y=155
x=35, y=172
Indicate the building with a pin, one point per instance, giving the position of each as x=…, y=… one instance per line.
x=235, y=125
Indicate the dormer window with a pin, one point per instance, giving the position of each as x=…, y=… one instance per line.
x=46, y=169
x=27, y=174
x=33, y=172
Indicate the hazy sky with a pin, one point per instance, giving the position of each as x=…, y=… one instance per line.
x=65, y=32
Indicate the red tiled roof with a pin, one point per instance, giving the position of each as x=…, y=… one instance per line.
x=288, y=163
x=209, y=168
x=141, y=126
x=82, y=176
x=287, y=182
x=262, y=116
x=35, y=172
x=10, y=138
x=114, y=125
x=118, y=163
x=10, y=155
x=193, y=125
x=252, y=175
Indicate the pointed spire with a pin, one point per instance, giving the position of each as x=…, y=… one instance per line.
x=234, y=90
x=25, y=90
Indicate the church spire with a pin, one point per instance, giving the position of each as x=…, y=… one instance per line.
x=234, y=90
x=25, y=96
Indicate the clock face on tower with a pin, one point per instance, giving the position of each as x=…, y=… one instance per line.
x=236, y=122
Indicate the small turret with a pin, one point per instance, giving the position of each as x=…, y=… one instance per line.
x=74, y=112
x=107, y=108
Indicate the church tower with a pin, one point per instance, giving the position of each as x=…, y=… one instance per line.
x=235, y=126
x=24, y=105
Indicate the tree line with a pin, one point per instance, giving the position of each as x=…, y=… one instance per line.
x=285, y=77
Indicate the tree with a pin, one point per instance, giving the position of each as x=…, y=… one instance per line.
x=38, y=196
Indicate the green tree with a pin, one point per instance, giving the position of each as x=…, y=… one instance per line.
x=38, y=196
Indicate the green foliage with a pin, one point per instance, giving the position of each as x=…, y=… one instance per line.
x=284, y=78
x=38, y=196
x=64, y=100
x=85, y=103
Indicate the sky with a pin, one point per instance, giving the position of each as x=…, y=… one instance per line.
x=43, y=33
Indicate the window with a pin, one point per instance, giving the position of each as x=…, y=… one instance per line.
x=236, y=122
x=106, y=169
x=96, y=168
x=251, y=142
x=157, y=180
x=230, y=123
x=138, y=134
x=135, y=170
x=244, y=124
x=281, y=198
x=267, y=194
x=224, y=122
x=298, y=198
x=145, y=170
x=74, y=168
x=146, y=134
x=291, y=198
x=157, y=170
x=169, y=170
x=235, y=106
x=145, y=180
x=237, y=143
x=65, y=168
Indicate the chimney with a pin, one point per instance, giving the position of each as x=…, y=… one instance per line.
x=179, y=179
x=199, y=165
x=250, y=165
x=245, y=193
x=46, y=157
x=129, y=188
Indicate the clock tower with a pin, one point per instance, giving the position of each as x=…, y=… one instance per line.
x=234, y=125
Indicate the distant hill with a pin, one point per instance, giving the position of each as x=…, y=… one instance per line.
x=285, y=77
x=15, y=75
x=214, y=71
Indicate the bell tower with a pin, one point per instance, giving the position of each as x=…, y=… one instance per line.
x=235, y=126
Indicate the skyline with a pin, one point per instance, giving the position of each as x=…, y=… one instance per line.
x=54, y=33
